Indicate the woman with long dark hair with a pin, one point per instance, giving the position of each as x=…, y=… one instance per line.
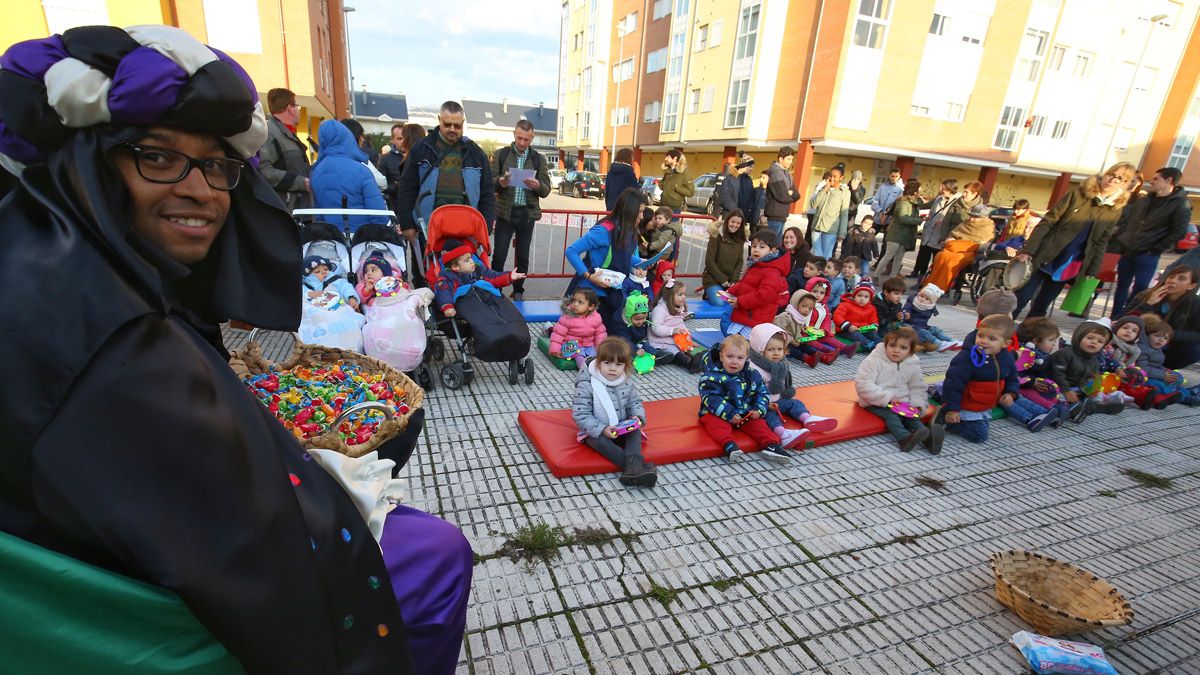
x=610, y=244
x=1174, y=299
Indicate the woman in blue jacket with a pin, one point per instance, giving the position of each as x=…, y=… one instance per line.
x=610, y=244
x=340, y=172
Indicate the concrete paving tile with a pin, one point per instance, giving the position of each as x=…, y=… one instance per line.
x=534, y=647
x=503, y=591
x=638, y=636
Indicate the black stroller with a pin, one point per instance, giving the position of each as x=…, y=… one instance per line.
x=486, y=325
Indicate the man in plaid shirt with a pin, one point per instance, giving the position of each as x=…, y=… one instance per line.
x=517, y=204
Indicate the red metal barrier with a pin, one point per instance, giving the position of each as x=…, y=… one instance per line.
x=574, y=223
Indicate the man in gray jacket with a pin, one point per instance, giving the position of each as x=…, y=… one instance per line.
x=1149, y=227
x=781, y=191
x=283, y=160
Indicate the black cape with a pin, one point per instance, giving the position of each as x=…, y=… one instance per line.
x=131, y=445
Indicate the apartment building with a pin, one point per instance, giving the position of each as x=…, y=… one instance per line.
x=296, y=44
x=1025, y=95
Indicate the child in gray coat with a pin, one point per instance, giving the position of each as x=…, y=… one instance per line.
x=604, y=398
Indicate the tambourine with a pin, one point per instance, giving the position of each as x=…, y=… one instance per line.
x=904, y=409
x=326, y=300
x=388, y=287
x=1017, y=273
x=570, y=348
x=644, y=363
x=684, y=342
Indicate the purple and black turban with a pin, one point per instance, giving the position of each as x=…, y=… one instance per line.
x=139, y=76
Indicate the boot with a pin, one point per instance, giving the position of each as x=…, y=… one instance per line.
x=829, y=357
x=682, y=359
x=810, y=360
x=638, y=473
x=696, y=365
x=1163, y=400
x=1078, y=411
x=1142, y=396
x=910, y=441
x=937, y=436
x=850, y=350
x=929, y=347
x=1108, y=407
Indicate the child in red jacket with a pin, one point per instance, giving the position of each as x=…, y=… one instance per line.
x=856, y=318
x=763, y=287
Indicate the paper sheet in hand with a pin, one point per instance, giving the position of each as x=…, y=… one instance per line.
x=653, y=260
x=517, y=177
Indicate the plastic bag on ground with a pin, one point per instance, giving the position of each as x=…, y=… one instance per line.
x=1049, y=655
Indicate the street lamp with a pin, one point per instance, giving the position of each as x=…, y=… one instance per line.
x=346, y=9
x=1112, y=141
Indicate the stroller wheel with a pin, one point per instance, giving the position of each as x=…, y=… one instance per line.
x=527, y=366
x=425, y=378
x=986, y=281
x=436, y=349
x=468, y=373
x=514, y=372
x=453, y=376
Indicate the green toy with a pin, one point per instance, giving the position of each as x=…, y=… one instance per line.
x=644, y=363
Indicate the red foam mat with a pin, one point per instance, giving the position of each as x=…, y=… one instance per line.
x=674, y=433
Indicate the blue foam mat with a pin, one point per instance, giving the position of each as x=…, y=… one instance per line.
x=707, y=338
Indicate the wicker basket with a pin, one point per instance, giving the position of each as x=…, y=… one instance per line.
x=250, y=361
x=1055, y=597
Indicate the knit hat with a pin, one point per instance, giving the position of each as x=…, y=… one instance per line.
x=981, y=211
x=864, y=286
x=453, y=249
x=996, y=301
x=746, y=161
x=636, y=303
x=383, y=265
x=312, y=262
x=1130, y=318
x=1089, y=326
x=933, y=291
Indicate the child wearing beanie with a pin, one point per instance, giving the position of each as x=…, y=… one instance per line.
x=461, y=267
x=918, y=310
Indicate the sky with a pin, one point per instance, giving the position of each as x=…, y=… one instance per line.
x=454, y=49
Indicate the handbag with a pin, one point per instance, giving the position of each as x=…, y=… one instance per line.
x=1080, y=295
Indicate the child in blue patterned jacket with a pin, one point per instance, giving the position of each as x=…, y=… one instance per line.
x=733, y=395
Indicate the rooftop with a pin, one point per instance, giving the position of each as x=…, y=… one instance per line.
x=374, y=104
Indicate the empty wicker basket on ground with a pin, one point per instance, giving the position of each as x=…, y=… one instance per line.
x=393, y=440
x=1055, y=597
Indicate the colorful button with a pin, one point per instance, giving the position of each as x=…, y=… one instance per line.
x=345, y=534
x=383, y=629
x=348, y=622
x=373, y=581
x=294, y=478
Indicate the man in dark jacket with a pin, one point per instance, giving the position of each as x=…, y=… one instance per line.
x=283, y=160
x=1149, y=227
x=621, y=177
x=444, y=168
x=781, y=191
x=517, y=204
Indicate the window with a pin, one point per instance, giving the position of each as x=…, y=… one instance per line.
x=591, y=41
x=1057, y=52
x=653, y=111
x=675, y=67
x=920, y=110
x=938, y=25
x=1181, y=151
x=1083, y=65
x=661, y=9
x=706, y=105
x=971, y=39
x=694, y=101
x=620, y=116
x=1061, y=129
x=623, y=70
x=224, y=32
x=681, y=8
x=954, y=112
x=671, y=113
x=714, y=32
x=1011, y=119
x=656, y=60
x=701, y=41
x=735, y=112
x=1033, y=47
x=562, y=122
x=1038, y=125
x=1144, y=80
x=871, y=26
x=587, y=84
x=747, y=36
x=577, y=41
x=586, y=130
x=627, y=24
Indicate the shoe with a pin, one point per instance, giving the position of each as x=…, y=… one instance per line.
x=910, y=441
x=518, y=297
x=638, y=473
x=790, y=438
x=1163, y=400
x=1042, y=421
x=829, y=357
x=945, y=346
x=1059, y=417
x=696, y=365
x=1108, y=407
x=937, y=436
x=1078, y=412
x=850, y=350
x=1190, y=400
x=682, y=359
x=733, y=453
x=816, y=423
x=810, y=360
x=775, y=453
x=956, y=346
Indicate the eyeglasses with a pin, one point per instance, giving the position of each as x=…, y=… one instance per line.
x=160, y=165
x=294, y=105
x=1114, y=178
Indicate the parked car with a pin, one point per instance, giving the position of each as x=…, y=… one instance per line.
x=702, y=199
x=556, y=176
x=651, y=189
x=582, y=184
x=1190, y=240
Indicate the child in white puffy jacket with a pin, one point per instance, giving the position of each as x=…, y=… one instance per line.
x=890, y=385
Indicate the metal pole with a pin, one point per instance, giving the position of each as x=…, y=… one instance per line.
x=349, y=62
x=1129, y=90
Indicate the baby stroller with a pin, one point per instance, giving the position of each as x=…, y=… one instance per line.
x=348, y=250
x=486, y=325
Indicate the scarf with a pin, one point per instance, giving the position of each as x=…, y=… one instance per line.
x=602, y=404
x=796, y=316
x=766, y=258
x=778, y=371
x=921, y=304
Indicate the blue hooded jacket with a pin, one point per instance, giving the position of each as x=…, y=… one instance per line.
x=339, y=172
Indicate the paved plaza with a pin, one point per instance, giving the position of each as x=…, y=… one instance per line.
x=839, y=563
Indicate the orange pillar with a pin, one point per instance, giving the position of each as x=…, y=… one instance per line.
x=637, y=160
x=801, y=170
x=987, y=176
x=1062, y=185
x=579, y=160
x=603, y=160
x=562, y=159
x=729, y=156
x=907, y=166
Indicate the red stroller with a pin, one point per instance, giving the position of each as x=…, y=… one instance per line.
x=486, y=325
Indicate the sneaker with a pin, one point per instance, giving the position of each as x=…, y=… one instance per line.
x=956, y=346
x=829, y=357
x=638, y=473
x=518, y=297
x=682, y=359
x=697, y=364
x=910, y=441
x=775, y=453
x=1190, y=400
x=817, y=423
x=1042, y=421
x=733, y=453
x=1163, y=400
x=1078, y=412
x=946, y=346
x=790, y=438
x=937, y=436
x=810, y=360
x=850, y=350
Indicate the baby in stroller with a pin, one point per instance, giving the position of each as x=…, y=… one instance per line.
x=320, y=278
x=462, y=268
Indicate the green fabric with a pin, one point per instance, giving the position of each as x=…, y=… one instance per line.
x=61, y=615
x=543, y=344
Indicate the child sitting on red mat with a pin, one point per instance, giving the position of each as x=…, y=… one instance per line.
x=733, y=396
